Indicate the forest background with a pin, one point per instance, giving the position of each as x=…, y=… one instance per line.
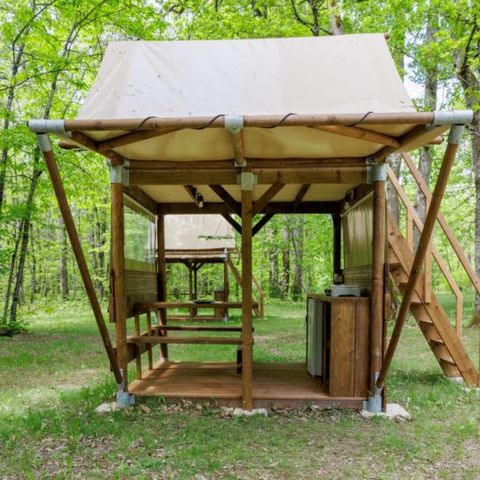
x=50, y=52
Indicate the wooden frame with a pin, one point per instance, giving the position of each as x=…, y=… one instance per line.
x=273, y=172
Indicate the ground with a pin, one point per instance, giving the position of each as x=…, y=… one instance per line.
x=54, y=377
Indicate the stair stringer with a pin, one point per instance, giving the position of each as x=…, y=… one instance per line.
x=444, y=342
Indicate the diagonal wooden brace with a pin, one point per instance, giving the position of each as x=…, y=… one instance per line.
x=45, y=147
x=425, y=237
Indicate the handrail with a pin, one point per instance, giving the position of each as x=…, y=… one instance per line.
x=414, y=218
x=443, y=223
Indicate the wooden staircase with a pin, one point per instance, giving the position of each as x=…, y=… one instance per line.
x=432, y=319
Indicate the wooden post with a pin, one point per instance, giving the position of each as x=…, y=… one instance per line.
x=118, y=275
x=378, y=267
x=226, y=284
x=337, y=245
x=162, y=279
x=423, y=245
x=247, y=340
x=57, y=184
x=138, y=355
x=190, y=287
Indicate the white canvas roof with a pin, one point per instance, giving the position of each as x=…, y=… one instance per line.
x=198, y=232
x=341, y=74
x=181, y=79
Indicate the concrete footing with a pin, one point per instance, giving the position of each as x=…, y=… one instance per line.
x=240, y=412
x=394, y=412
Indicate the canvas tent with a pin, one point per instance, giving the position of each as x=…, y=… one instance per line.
x=253, y=127
x=198, y=240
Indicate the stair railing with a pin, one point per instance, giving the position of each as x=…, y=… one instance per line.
x=475, y=281
x=413, y=220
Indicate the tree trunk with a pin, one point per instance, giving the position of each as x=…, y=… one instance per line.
x=25, y=237
x=273, y=289
x=336, y=21
x=285, y=283
x=430, y=105
x=33, y=268
x=469, y=79
x=475, y=140
x=297, y=241
x=13, y=263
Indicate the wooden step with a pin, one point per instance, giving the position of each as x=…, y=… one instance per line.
x=442, y=338
x=431, y=333
x=441, y=352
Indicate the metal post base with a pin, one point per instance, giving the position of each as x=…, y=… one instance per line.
x=373, y=404
x=125, y=399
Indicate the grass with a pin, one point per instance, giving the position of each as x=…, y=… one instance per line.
x=54, y=377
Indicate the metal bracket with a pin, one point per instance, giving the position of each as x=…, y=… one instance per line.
x=118, y=173
x=44, y=142
x=455, y=135
x=124, y=399
x=456, y=117
x=376, y=172
x=374, y=404
x=233, y=123
x=45, y=125
x=246, y=180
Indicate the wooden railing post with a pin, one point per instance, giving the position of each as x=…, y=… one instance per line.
x=52, y=167
x=246, y=184
x=162, y=280
x=425, y=237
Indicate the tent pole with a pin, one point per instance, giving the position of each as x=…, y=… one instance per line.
x=425, y=237
x=247, y=340
x=45, y=147
x=374, y=402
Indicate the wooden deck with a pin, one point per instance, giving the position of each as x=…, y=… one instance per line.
x=274, y=385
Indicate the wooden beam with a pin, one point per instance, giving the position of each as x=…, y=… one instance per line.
x=326, y=175
x=199, y=328
x=227, y=198
x=360, y=134
x=408, y=141
x=139, y=339
x=260, y=204
x=301, y=194
x=425, y=237
x=263, y=163
x=141, y=197
x=69, y=223
x=232, y=222
x=270, y=121
x=247, y=301
x=261, y=223
x=132, y=137
x=87, y=142
x=271, y=208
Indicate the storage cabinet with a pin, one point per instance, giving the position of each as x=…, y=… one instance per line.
x=344, y=344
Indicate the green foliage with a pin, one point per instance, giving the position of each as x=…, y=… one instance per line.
x=49, y=428
x=49, y=55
